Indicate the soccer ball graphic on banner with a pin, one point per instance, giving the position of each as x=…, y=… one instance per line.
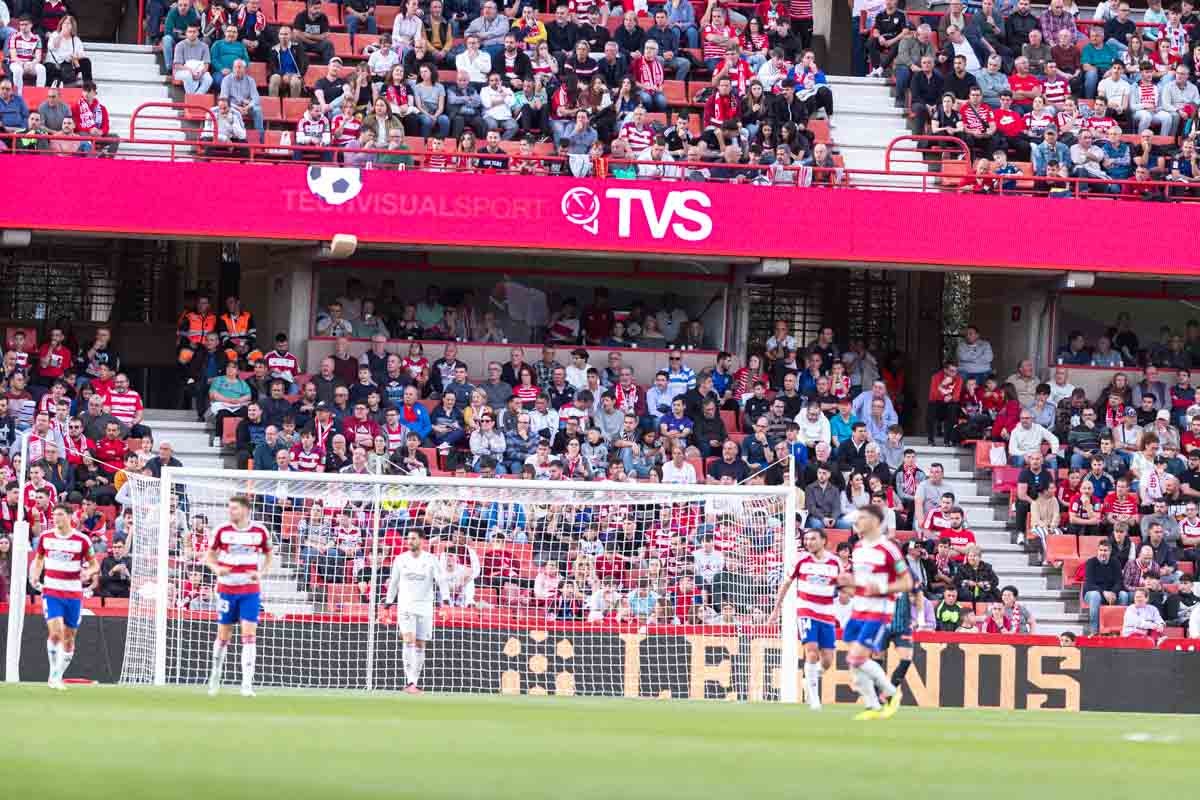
x=334, y=185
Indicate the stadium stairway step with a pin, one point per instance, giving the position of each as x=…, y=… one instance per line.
x=189, y=438
x=128, y=76
x=1055, y=609
x=864, y=120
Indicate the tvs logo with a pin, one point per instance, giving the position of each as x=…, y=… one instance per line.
x=681, y=213
x=581, y=207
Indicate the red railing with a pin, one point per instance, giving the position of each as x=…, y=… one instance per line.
x=918, y=154
x=946, y=175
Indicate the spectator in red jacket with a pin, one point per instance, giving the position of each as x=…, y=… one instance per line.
x=91, y=119
x=945, y=387
x=53, y=360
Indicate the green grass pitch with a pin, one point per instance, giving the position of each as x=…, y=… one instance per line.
x=99, y=742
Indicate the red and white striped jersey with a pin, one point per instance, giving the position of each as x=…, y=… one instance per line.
x=64, y=557
x=800, y=9
x=307, y=460
x=348, y=537
x=284, y=366
x=395, y=436
x=876, y=563
x=30, y=497
x=124, y=405
x=240, y=549
x=1189, y=527
x=710, y=48
x=23, y=48
x=936, y=522
x=816, y=586
x=660, y=539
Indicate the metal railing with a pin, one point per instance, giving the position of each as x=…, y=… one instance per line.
x=913, y=163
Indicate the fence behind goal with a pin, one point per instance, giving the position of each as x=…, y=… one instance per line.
x=640, y=607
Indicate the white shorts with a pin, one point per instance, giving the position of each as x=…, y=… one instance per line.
x=420, y=625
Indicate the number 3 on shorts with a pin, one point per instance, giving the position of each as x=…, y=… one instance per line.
x=224, y=606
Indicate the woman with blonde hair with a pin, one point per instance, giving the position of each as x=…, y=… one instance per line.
x=67, y=63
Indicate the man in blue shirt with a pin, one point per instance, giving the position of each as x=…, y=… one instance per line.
x=675, y=424
x=14, y=114
x=682, y=378
x=1049, y=149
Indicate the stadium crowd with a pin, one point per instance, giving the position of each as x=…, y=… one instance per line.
x=1117, y=474
x=1100, y=99
x=583, y=96
x=699, y=418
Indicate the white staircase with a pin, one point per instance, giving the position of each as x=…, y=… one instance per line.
x=194, y=447
x=865, y=119
x=1054, y=610
x=128, y=75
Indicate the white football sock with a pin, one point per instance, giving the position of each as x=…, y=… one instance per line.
x=812, y=682
x=64, y=661
x=418, y=663
x=52, y=652
x=410, y=661
x=879, y=677
x=249, y=651
x=220, y=648
x=866, y=687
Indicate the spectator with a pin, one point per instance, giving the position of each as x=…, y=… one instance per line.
x=1102, y=584
x=977, y=581
x=311, y=28
x=286, y=66
x=1141, y=618
x=945, y=388
x=974, y=355
x=116, y=571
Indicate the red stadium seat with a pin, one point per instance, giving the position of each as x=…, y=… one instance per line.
x=286, y=11
x=293, y=108
x=385, y=16
x=272, y=111
x=1088, y=545
x=1112, y=619
x=1069, y=567
x=229, y=431
x=1059, y=548
x=676, y=94
x=258, y=71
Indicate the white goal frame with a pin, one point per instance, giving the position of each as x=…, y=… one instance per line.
x=173, y=477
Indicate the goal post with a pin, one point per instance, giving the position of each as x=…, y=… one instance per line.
x=606, y=588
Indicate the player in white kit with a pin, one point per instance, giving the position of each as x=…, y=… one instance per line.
x=416, y=580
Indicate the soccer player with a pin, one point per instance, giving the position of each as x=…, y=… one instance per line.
x=878, y=574
x=240, y=552
x=817, y=571
x=416, y=574
x=59, y=572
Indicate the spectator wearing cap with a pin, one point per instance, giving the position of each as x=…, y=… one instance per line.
x=1163, y=429
x=1050, y=149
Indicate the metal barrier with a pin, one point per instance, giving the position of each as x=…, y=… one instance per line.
x=924, y=147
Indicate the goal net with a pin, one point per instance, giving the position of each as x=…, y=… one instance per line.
x=609, y=589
